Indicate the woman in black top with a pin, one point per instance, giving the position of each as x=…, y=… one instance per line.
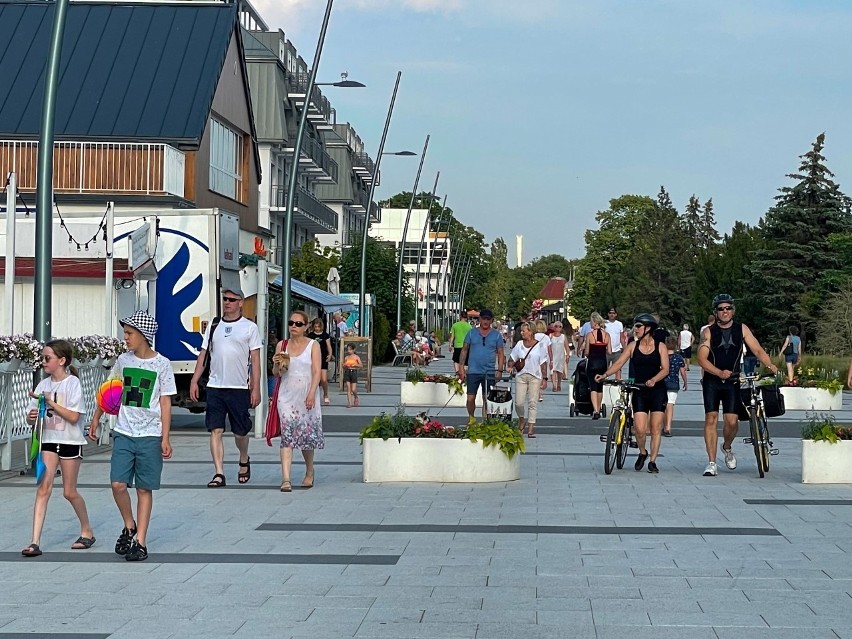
x=318, y=334
x=650, y=364
x=598, y=346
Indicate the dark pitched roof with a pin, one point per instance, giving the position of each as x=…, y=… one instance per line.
x=554, y=289
x=131, y=72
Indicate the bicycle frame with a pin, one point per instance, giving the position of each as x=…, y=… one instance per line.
x=758, y=425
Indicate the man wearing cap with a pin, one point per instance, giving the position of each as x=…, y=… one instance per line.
x=234, y=384
x=481, y=346
x=617, y=338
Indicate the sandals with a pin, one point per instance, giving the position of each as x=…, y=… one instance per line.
x=306, y=483
x=218, y=481
x=243, y=478
x=83, y=543
x=124, y=541
x=31, y=551
x=286, y=487
x=530, y=435
x=326, y=401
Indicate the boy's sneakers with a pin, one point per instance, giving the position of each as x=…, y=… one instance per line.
x=640, y=461
x=711, y=471
x=730, y=460
x=122, y=544
x=137, y=552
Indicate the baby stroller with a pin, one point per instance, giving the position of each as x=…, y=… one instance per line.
x=580, y=402
x=499, y=404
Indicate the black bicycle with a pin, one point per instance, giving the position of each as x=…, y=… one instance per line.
x=752, y=399
x=619, y=436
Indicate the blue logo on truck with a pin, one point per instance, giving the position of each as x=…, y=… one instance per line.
x=173, y=339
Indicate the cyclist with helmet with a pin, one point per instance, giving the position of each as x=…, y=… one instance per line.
x=719, y=354
x=649, y=360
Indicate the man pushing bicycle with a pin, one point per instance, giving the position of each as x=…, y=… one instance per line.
x=719, y=354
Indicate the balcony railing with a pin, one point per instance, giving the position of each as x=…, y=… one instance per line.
x=320, y=109
x=315, y=157
x=99, y=167
x=308, y=210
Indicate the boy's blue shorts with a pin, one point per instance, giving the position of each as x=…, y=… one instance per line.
x=136, y=461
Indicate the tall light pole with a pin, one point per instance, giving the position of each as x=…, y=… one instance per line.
x=44, y=199
x=404, y=234
x=426, y=225
x=440, y=264
x=362, y=293
x=466, y=279
x=457, y=260
x=292, y=182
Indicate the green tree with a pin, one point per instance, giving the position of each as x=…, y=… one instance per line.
x=312, y=263
x=693, y=225
x=786, y=273
x=709, y=235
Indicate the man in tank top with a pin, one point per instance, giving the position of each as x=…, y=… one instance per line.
x=719, y=354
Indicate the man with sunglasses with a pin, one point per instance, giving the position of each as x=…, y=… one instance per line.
x=234, y=347
x=719, y=355
x=482, y=346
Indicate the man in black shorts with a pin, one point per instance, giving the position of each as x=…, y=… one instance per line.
x=719, y=354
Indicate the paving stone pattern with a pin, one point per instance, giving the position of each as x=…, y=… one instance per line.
x=564, y=552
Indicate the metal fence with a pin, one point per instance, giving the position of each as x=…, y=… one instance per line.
x=15, y=390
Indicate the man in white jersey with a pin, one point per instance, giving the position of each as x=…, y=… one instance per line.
x=234, y=345
x=617, y=338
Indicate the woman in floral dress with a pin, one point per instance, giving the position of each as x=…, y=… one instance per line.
x=299, y=399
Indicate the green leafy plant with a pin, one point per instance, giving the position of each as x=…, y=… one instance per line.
x=497, y=432
x=810, y=377
x=386, y=426
x=414, y=375
x=824, y=428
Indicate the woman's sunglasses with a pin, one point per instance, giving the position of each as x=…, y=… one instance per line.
x=295, y=323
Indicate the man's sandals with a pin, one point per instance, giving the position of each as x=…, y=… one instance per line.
x=218, y=481
x=244, y=477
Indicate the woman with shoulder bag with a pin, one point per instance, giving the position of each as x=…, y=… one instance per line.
x=791, y=349
x=528, y=359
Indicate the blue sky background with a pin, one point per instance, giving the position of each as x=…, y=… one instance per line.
x=541, y=111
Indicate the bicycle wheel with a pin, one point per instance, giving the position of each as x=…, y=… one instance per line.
x=623, y=441
x=763, y=430
x=754, y=430
x=611, y=445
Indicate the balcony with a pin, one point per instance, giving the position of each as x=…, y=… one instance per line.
x=320, y=112
x=99, y=167
x=314, y=160
x=308, y=211
x=363, y=166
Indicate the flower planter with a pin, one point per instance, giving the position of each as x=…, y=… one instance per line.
x=11, y=366
x=432, y=394
x=826, y=463
x=413, y=459
x=816, y=399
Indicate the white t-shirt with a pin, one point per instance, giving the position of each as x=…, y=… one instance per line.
x=342, y=327
x=69, y=394
x=230, y=355
x=615, y=329
x=544, y=342
x=145, y=381
x=685, y=339
x=535, y=357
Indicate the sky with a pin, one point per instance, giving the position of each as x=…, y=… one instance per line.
x=541, y=111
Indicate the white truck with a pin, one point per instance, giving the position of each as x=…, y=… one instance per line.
x=194, y=251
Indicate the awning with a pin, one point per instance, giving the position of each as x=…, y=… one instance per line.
x=328, y=301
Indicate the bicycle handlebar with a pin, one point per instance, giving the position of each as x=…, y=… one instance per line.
x=622, y=383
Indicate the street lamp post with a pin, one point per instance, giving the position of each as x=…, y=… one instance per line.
x=426, y=225
x=404, y=234
x=457, y=260
x=286, y=264
x=362, y=293
x=466, y=279
x=440, y=264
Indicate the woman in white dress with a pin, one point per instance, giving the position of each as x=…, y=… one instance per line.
x=544, y=339
x=298, y=398
x=561, y=356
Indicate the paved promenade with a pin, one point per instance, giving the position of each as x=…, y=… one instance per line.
x=564, y=552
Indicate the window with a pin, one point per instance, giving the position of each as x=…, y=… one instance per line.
x=226, y=161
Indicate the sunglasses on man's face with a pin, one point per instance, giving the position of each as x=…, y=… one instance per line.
x=231, y=299
x=724, y=309
x=295, y=323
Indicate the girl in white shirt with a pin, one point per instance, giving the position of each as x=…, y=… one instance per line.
x=62, y=440
x=530, y=379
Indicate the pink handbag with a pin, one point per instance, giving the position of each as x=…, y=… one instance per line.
x=273, y=419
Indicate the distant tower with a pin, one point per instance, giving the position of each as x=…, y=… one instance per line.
x=519, y=248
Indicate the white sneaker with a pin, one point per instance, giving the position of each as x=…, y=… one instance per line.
x=710, y=471
x=730, y=460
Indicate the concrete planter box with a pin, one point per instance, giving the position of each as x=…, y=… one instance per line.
x=432, y=394
x=826, y=463
x=811, y=399
x=437, y=460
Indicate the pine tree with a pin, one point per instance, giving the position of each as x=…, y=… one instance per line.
x=692, y=222
x=787, y=270
x=708, y=233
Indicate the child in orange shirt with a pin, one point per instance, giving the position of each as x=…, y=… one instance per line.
x=351, y=364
